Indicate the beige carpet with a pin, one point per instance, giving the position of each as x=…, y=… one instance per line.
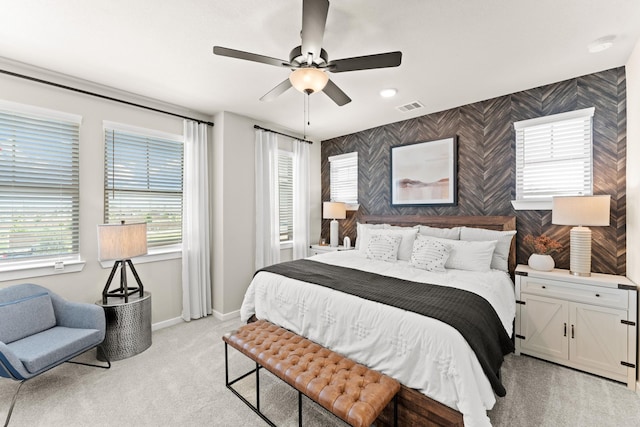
x=179, y=381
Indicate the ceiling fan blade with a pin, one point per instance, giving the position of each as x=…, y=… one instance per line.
x=314, y=19
x=336, y=94
x=276, y=91
x=240, y=54
x=368, y=62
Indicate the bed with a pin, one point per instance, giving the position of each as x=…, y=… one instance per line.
x=445, y=381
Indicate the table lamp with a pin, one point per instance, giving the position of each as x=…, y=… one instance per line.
x=121, y=242
x=581, y=211
x=334, y=211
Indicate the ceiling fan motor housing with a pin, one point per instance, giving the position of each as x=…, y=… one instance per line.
x=297, y=58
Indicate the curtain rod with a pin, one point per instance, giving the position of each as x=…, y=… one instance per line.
x=283, y=134
x=86, y=92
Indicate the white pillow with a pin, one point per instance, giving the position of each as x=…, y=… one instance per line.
x=361, y=230
x=383, y=247
x=429, y=254
x=468, y=255
x=406, y=245
x=443, y=233
x=500, y=258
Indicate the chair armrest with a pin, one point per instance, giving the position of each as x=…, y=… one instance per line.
x=10, y=365
x=78, y=314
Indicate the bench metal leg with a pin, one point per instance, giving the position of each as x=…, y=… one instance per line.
x=256, y=408
x=229, y=385
x=258, y=387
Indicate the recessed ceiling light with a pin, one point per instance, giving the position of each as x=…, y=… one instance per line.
x=388, y=93
x=603, y=43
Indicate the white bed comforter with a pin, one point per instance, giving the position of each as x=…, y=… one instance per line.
x=420, y=352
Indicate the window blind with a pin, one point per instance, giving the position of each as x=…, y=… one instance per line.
x=143, y=183
x=285, y=195
x=344, y=178
x=39, y=184
x=554, y=156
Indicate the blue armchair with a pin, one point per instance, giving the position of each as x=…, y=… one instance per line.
x=39, y=330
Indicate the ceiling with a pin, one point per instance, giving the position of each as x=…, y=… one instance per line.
x=455, y=52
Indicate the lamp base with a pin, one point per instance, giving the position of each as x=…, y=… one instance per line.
x=335, y=232
x=580, y=251
x=123, y=291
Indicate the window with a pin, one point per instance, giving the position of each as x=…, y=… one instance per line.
x=344, y=178
x=39, y=184
x=553, y=158
x=143, y=181
x=285, y=195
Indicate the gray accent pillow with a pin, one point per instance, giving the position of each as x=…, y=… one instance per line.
x=25, y=317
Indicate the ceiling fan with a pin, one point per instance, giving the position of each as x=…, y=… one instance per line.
x=309, y=62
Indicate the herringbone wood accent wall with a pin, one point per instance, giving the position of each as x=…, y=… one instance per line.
x=486, y=156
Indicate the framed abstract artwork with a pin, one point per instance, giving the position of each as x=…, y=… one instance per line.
x=425, y=173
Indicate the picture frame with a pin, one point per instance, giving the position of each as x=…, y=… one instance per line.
x=425, y=173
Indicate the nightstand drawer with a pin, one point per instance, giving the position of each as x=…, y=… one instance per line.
x=596, y=295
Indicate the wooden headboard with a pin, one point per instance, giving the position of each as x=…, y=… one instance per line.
x=500, y=223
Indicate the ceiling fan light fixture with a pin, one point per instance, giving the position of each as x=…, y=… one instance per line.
x=308, y=80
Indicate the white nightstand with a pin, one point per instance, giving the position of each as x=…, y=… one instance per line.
x=319, y=249
x=586, y=323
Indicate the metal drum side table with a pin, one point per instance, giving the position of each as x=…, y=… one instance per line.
x=128, y=326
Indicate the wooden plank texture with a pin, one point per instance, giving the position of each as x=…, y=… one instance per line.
x=486, y=170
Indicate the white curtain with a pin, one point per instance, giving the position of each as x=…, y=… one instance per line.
x=196, y=279
x=267, y=206
x=301, y=199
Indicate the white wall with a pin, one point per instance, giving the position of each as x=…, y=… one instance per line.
x=232, y=190
x=234, y=208
x=633, y=169
x=162, y=279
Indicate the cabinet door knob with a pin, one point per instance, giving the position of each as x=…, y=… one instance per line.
x=597, y=295
x=544, y=287
x=573, y=335
x=565, y=329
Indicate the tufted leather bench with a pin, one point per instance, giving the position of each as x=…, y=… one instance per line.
x=351, y=391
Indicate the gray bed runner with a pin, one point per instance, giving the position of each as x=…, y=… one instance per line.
x=465, y=311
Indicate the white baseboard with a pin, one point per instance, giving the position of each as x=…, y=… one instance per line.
x=178, y=320
x=166, y=323
x=226, y=316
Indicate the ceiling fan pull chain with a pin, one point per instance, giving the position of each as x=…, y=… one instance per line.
x=305, y=101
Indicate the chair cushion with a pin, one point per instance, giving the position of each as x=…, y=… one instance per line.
x=26, y=316
x=49, y=348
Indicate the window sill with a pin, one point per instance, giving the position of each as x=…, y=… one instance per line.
x=532, y=205
x=39, y=269
x=154, y=255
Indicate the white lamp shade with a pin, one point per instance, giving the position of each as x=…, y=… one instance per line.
x=121, y=241
x=334, y=210
x=308, y=80
x=581, y=210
